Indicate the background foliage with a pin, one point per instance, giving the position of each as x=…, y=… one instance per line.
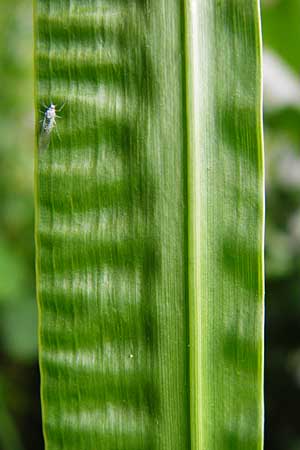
x=281, y=33
x=19, y=392
x=19, y=381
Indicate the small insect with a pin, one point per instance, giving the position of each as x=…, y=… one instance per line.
x=50, y=115
x=48, y=123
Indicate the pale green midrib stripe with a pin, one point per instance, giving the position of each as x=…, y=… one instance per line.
x=191, y=242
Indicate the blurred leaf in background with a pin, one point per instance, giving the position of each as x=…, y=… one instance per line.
x=19, y=390
x=281, y=31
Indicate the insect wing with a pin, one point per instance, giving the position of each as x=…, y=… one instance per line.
x=44, y=140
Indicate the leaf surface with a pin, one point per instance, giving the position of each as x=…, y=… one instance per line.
x=149, y=215
x=226, y=214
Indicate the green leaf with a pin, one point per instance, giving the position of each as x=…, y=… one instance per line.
x=225, y=187
x=149, y=219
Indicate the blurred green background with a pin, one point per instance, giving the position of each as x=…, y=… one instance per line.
x=20, y=424
x=20, y=420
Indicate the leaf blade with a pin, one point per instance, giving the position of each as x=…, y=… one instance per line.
x=113, y=260
x=226, y=222
x=111, y=228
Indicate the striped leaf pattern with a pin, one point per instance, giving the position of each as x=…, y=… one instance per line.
x=113, y=330
x=135, y=352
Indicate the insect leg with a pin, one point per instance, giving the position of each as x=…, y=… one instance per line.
x=60, y=109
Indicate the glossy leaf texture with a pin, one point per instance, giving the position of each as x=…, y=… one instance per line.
x=149, y=219
x=226, y=215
